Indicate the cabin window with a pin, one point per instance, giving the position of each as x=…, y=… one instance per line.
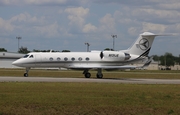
x=58, y=59
x=31, y=56
x=51, y=59
x=80, y=58
x=72, y=58
x=87, y=59
x=25, y=56
x=65, y=59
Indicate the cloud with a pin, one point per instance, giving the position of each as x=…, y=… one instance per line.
x=107, y=23
x=5, y=26
x=133, y=30
x=77, y=19
x=170, y=4
x=77, y=15
x=42, y=2
x=51, y=30
x=153, y=27
x=89, y=28
x=27, y=18
x=165, y=16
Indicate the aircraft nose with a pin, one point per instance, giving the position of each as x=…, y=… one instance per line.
x=16, y=63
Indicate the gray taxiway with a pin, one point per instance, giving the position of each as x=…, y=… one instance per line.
x=91, y=80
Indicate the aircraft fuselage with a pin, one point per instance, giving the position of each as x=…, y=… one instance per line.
x=75, y=59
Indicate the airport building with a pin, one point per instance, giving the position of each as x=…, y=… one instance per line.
x=6, y=59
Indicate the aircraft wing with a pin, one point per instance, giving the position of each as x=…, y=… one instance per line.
x=103, y=67
x=111, y=67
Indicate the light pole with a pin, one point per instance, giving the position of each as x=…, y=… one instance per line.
x=114, y=36
x=18, y=41
x=87, y=46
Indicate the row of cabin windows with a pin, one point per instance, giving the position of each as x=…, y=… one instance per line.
x=72, y=59
x=58, y=59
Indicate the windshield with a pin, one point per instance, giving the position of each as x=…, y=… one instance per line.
x=31, y=56
x=25, y=56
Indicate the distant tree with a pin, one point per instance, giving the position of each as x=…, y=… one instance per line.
x=34, y=50
x=3, y=50
x=66, y=51
x=169, y=59
x=23, y=50
x=155, y=57
x=108, y=49
x=166, y=60
x=177, y=60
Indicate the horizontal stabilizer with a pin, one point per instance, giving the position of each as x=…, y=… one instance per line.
x=148, y=62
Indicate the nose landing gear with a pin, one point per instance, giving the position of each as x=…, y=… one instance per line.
x=26, y=73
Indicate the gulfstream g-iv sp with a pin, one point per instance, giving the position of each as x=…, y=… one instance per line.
x=108, y=60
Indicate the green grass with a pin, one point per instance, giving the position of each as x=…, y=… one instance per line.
x=88, y=99
x=25, y=98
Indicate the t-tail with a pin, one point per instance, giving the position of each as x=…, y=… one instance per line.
x=142, y=45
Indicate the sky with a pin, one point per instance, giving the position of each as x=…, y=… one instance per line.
x=69, y=24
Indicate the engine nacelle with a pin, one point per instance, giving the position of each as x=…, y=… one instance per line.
x=115, y=55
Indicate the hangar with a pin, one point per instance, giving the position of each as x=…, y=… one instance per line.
x=6, y=59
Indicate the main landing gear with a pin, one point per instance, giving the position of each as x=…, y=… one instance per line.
x=88, y=75
x=99, y=74
x=26, y=73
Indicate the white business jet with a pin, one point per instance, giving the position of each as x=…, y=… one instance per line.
x=108, y=60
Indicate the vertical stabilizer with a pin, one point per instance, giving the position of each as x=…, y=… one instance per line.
x=142, y=45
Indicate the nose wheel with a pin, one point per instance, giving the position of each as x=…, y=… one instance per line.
x=26, y=73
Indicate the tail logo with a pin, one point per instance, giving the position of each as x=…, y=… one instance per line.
x=144, y=44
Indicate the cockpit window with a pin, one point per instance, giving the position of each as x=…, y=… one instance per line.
x=31, y=56
x=25, y=56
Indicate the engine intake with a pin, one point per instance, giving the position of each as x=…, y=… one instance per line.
x=127, y=56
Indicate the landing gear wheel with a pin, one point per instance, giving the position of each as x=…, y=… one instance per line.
x=87, y=75
x=99, y=76
x=99, y=73
x=25, y=74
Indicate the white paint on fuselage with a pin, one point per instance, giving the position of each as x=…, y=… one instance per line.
x=79, y=59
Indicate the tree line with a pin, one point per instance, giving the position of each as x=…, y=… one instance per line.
x=167, y=59
x=24, y=50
